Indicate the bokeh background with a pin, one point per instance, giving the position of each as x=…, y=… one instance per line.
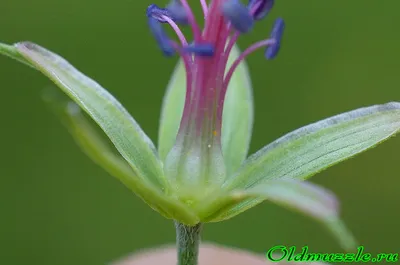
x=57, y=207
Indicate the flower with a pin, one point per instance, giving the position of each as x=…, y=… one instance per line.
x=195, y=165
x=200, y=171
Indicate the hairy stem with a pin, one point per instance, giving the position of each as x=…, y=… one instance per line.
x=187, y=240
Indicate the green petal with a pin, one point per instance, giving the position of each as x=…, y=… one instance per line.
x=123, y=131
x=237, y=116
x=171, y=110
x=313, y=148
x=303, y=197
x=237, y=122
x=94, y=146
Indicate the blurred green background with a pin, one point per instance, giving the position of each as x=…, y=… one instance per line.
x=57, y=207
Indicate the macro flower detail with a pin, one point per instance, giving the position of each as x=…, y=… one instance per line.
x=200, y=170
x=260, y=8
x=196, y=159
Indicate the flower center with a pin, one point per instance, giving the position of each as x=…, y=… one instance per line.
x=207, y=76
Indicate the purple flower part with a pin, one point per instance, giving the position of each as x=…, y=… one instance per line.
x=276, y=35
x=174, y=11
x=205, y=61
x=157, y=13
x=260, y=8
x=161, y=37
x=178, y=12
x=200, y=49
x=238, y=14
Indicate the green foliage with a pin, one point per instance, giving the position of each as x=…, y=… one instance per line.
x=274, y=173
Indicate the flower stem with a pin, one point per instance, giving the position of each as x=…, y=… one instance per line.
x=187, y=240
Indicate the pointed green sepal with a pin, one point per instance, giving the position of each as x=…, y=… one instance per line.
x=300, y=196
x=123, y=131
x=135, y=160
x=93, y=144
x=313, y=148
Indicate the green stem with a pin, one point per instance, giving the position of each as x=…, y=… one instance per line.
x=187, y=240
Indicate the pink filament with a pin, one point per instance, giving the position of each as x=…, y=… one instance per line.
x=248, y=51
x=236, y=35
x=231, y=43
x=192, y=21
x=188, y=63
x=204, y=6
x=228, y=49
x=217, y=31
x=209, y=79
x=236, y=63
x=177, y=30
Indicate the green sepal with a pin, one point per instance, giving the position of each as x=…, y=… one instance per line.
x=123, y=131
x=136, y=164
x=94, y=145
x=313, y=148
x=301, y=196
x=237, y=114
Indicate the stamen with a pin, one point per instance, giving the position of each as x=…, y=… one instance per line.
x=203, y=49
x=260, y=8
x=276, y=34
x=238, y=15
x=204, y=6
x=188, y=63
x=161, y=37
x=157, y=13
x=192, y=21
x=178, y=12
x=231, y=43
x=206, y=81
x=251, y=49
x=177, y=30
